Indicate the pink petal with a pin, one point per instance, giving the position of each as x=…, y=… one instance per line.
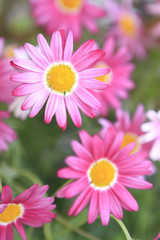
x=133, y=182
x=45, y=49
x=80, y=202
x=26, y=65
x=116, y=145
x=18, y=225
x=88, y=98
x=56, y=46
x=73, y=111
x=84, y=49
x=9, y=233
x=93, y=84
x=39, y=104
x=93, y=72
x=125, y=197
x=51, y=107
x=3, y=231
x=98, y=148
x=81, y=151
x=104, y=207
x=77, y=163
x=6, y=194
x=93, y=207
x=35, y=54
x=88, y=60
x=115, y=205
x=27, y=77
x=68, y=47
x=26, y=89
x=61, y=115
x=69, y=173
x=86, y=140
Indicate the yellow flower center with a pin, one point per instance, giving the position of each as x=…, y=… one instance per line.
x=11, y=213
x=106, y=78
x=128, y=25
x=70, y=6
x=61, y=78
x=9, y=51
x=102, y=174
x=130, y=138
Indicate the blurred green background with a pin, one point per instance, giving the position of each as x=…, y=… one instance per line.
x=41, y=149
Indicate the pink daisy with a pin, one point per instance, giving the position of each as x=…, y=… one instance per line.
x=128, y=27
x=154, y=9
x=66, y=14
x=152, y=130
x=29, y=208
x=120, y=76
x=66, y=80
x=6, y=86
x=130, y=127
x=7, y=134
x=101, y=172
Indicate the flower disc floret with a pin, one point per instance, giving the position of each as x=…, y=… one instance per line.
x=102, y=174
x=61, y=78
x=11, y=213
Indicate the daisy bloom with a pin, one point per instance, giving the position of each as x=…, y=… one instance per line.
x=154, y=9
x=120, y=76
x=152, y=130
x=7, y=134
x=66, y=14
x=101, y=172
x=131, y=127
x=65, y=79
x=29, y=208
x=6, y=86
x=128, y=27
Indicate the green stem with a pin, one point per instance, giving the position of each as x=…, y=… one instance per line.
x=123, y=227
x=81, y=232
x=29, y=175
x=55, y=193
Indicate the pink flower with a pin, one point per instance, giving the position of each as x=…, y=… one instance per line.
x=152, y=130
x=29, y=208
x=66, y=14
x=120, y=76
x=101, y=172
x=130, y=127
x=66, y=80
x=7, y=134
x=6, y=86
x=154, y=9
x=127, y=27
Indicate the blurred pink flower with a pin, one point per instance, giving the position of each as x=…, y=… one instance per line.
x=7, y=134
x=154, y=9
x=120, y=76
x=65, y=79
x=66, y=14
x=127, y=27
x=130, y=127
x=6, y=86
x=29, y=208
x=101, y=172
x=152, y=130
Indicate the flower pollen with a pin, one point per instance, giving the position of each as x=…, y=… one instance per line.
x=11, y=213
x=61, y=78
x=130, y=138
x=128, y=25
x=102, y=173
